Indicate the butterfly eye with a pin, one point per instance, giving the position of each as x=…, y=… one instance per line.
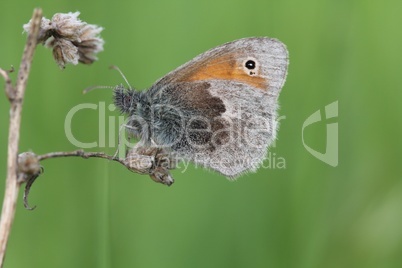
x=250, y=64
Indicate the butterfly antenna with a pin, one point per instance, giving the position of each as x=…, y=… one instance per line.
x=114, y=67
x=85, y=91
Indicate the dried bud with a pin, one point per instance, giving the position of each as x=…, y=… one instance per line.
x=71, y=39
x=152, y=161
x=28, y=163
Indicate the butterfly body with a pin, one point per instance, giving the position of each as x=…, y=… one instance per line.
x=218, y=110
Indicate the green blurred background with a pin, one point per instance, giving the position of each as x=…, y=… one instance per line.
x=92, y=213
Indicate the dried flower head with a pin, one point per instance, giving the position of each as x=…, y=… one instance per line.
x=71, y=39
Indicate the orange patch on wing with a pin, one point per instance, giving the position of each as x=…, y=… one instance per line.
x=224, y=68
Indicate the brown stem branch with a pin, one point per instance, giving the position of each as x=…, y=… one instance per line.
x=16, y=96
x=142, y=160
x=79, y=153
x=30, y=169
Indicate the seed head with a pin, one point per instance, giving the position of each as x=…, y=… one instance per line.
x=71, y=39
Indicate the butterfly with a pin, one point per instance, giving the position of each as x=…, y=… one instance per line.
x=219, y=110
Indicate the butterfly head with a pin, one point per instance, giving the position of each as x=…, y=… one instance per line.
x=125, y=99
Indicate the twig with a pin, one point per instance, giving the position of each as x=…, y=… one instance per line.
x=80, y=153
x=16, y=96
x=30, y=170
x=151, y=161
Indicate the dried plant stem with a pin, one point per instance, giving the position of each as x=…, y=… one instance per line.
x=79, y=153
x=25, y=167
x=16, y=96
x=151, y=161
x=34, y=170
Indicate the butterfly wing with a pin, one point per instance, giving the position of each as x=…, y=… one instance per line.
x=227, y=100
x=226, y=62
